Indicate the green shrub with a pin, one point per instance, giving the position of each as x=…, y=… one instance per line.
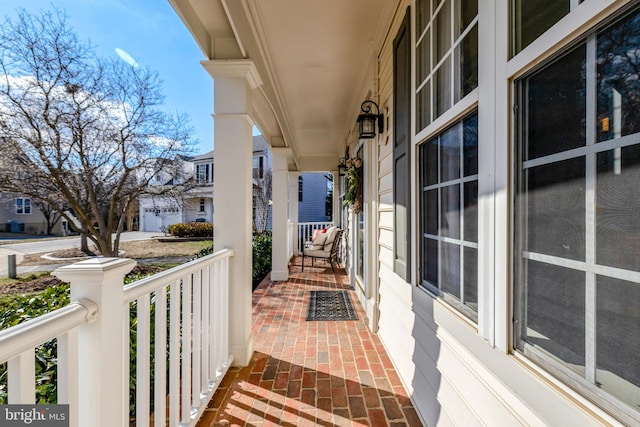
x=261, y=256
x=191, y=229
x=203, y=252
x=262, y=243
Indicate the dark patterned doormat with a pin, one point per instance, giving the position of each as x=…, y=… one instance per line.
x=331, y=305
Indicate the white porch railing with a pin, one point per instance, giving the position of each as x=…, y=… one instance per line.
x=291, y=246
x=305, y=232
x=181, y=313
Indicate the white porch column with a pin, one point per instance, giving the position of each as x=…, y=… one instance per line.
x=335, y=212
x=279, y=211
x=293, y=209
x=234, y=82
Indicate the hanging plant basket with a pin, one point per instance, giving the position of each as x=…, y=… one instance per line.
x=353, y=193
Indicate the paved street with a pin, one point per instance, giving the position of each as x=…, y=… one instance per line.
x=52, y=245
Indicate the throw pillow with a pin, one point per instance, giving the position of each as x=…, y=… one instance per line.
x=320, y=239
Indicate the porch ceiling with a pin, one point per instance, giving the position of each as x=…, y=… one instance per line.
x=316, y=60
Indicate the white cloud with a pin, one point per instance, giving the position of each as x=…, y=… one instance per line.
x=126, y=57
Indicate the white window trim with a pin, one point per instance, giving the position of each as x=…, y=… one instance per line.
x=26, y=203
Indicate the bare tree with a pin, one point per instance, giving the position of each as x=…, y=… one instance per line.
x=51, y=214
x=262, y=194
x=80, y=129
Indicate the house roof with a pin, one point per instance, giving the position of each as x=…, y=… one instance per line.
x=316, y=60
x=206, y=156
x=259, y=145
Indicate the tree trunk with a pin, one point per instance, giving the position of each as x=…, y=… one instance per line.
x=84, y=246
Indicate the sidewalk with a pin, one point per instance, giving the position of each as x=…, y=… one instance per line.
x=4, y=264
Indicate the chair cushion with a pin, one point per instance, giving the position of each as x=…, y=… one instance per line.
x=321, y=239
x=331, y=236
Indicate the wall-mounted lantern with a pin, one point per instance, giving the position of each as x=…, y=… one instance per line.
x=367, y=120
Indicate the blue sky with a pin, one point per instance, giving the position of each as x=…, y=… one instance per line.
x=151, y=33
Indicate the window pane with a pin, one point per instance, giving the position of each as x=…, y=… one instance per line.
x=557, y=106
x=555, y=311
x=534, y=17
x=465, y=12
x=423, y=107
x=471, y=211
x=471, y=278
x=431, y=201
x=618, y=341
x=430, y=161
x=442, y=31
x=467, y=68
x=618, y=84
x=618, y=201
x=555, y=209
x=424, y=57
x=431, y=256
x=442, y=87
x=470, y=145
x=450, y=214
x=450, y=279
x=423, y=12
x=450, y=143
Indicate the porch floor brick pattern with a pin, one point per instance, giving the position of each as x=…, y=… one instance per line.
x=322, y=373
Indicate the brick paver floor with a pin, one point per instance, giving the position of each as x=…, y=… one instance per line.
x=310, y=373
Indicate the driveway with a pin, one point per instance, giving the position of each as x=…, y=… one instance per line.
x=52, y=245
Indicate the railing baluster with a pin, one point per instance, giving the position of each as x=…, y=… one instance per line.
x=126, y=360
x=206, y=326
x=160, y=358
x=186, y=348
x=21, y=385
x=215, y=321
x=220, y=314
x=67, y=373
x=197, y=318
x=143, y=338
x=174, y=355
x=224, y=329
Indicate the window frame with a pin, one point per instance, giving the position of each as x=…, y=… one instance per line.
x=203, y=173
x=424, y=35
x=589, y=266
x=23, y=206
x=461, y=241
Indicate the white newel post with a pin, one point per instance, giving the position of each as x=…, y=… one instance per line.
x=279, y=253
x=293, y=208
x=234, y=82
x=103, y=396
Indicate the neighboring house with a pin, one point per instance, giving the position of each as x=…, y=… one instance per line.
x=315, y=197
x=19, y=214
x=196, y=203
x=496, y=255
